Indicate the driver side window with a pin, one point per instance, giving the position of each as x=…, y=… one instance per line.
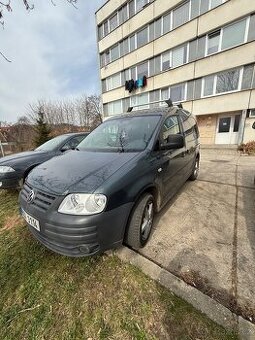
x=171, y=127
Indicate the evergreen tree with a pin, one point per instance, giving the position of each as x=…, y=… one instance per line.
x=42, y=129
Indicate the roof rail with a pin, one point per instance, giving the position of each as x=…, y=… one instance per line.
x=168, y=102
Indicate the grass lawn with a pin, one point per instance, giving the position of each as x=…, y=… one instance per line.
x=48, y=296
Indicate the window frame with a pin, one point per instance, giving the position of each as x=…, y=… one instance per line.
x=207, y=42
x=246, y=30
x=239, y=80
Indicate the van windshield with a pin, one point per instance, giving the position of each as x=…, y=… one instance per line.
x=128, y=134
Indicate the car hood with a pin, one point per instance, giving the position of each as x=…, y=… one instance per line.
x=77, y=171
x=21, y=158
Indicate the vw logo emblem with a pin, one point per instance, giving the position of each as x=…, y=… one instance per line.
x=30, y=196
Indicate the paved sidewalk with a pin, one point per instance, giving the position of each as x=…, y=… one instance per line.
x=206, y=234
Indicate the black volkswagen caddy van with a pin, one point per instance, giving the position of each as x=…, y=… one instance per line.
x=107, y=191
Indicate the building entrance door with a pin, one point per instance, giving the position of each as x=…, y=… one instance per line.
x=228, y=129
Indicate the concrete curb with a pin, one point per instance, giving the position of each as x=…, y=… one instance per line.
x=214, y=310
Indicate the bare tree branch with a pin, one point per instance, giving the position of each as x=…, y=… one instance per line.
x=7, y=5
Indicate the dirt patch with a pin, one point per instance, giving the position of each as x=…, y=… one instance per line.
x=224, y=297
x=11, y=222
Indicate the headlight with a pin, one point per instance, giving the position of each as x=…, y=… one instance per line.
x=5, y=169
x=83, y=204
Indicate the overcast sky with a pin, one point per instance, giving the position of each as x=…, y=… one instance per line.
x=53, y=52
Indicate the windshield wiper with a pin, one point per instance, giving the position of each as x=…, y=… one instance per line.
x=77, y=149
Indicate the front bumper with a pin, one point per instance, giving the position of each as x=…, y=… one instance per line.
x=75, y=235
x=10, y=180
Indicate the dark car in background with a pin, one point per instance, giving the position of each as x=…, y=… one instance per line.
x=107, y=192
x=15, y=168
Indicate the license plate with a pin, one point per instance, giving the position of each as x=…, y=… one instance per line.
x=31, y=220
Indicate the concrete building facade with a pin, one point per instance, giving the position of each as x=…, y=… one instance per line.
x=197, y=52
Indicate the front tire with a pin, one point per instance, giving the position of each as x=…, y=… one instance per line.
x=140, y=223
x=195, y=171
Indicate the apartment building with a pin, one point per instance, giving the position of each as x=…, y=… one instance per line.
x=197, y=52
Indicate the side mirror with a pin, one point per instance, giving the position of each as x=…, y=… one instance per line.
x=64, y=148
x=173, y=142
x=253, y=125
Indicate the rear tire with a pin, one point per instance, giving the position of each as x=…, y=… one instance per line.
x=195, y=171
x=140, y=222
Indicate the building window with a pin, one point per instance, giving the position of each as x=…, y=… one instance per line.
x=113, y=82
x=251, y=34
x=181, y=15
x=165, y=94
x=142, y=37
x=151, y=31
x=190, y=90
x=252, y=113
x=125, y=104
x=140, y=4
x=154, y=96
x=193, y=50
x=131, y=8
x=198, y=88
x=157, y=28
x=100, y=32
x=215, y=3
x=179, y=56
x=132, y=43
x=166, y=23
x=143, y=99
x=165, y=61
x=237, y=123
x=113, y=22
x=125, y=47
x=104, y=88
x=114, y=108
x=227, y=81
x=102, y=60
x=233, y=34
x=107, y=57
x=106, y=28
x=121, y=48
x=120, y=16
x=115, y=54
x=195, y=8
x=133, y=73
x=201, y=47
x=125, y=13
x=142, y=70
x=208, y=85
x=213, y=41
x=157, y=64
x=224, y=124
x=177, y=92
x=204, y=6
x=247, y=77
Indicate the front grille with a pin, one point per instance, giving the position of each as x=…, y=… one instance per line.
x=42, y=200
